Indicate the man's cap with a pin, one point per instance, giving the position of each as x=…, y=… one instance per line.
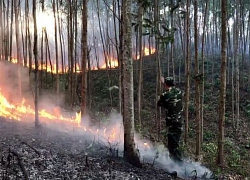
x=169, y=81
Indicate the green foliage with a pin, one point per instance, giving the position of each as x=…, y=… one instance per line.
x=208, y=135
x=234, y=159
x=211, y=151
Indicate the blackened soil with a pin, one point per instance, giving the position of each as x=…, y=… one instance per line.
x=27, y=152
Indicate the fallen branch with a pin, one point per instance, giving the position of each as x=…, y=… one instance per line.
x=20, y=164
x=36, y=151
x=28, y=145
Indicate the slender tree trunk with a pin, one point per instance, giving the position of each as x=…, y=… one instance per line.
x=130, y=153
x=70, y=52
x=236, y=46
x=158, y=70
x=120, y=59
x=36, y=64
x=42, y=63
x=221, y=125
x=60, y=37
x=187, y=72
x=7, y=32
x=115, y=5
x=55, y=11
x=197, y=83
x=11, y=28
x=18, y=51
x=248, y=49
x=140, y=82
x=203, y=69
x=84, y=55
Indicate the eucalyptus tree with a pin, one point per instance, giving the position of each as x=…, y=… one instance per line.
x=187, y=72
x=84, y=54
x=142, y=5
x=221, y=125
x=55, y=12
x=70, y=42
x=130, y=152
x=236, y=64
x=35, y=51
x=203, y=67
x=18, y=47
x=197, y=82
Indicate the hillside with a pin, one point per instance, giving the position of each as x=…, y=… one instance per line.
x=236, y=145
x=102, y=101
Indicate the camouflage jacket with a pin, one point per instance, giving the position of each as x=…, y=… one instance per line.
x=171, y=100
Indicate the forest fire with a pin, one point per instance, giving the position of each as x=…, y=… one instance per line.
x=112, y=63
x=22, y=112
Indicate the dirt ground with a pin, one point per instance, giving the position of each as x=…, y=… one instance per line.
x=44, y=153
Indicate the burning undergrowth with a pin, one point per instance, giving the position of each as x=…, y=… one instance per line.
x=17, y=104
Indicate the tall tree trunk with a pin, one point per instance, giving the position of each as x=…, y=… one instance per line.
x=7, y=33
x=130, y=153
x=36, y=64
x=59, y=20
x=221, y=125
x=70, y=51
x=120, y=59
x=187, y=72
x=84, y=55
x=237, y=79
x=197, y=83
x=140, y=82
x=203, y=69
x=18, y=51
x=42, y=63
x=158, y=70
x=11, y=28
x=55, y=11
x=248, y=48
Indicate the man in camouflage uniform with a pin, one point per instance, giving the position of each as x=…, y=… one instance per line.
x=171, y=100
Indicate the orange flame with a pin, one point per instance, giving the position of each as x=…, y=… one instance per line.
x=146, y=52
x=111, y=63
x=21, y=111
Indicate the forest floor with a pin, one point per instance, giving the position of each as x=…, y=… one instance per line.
x=236, y=141
x=45, y=153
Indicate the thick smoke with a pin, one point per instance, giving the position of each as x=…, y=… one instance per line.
x=109, y=131
x=156, y=154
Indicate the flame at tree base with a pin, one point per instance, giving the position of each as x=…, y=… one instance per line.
x=24, y=112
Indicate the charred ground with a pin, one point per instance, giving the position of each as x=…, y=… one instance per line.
x=45, y=153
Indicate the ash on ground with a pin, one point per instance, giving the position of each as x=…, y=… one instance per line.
x=43, y=153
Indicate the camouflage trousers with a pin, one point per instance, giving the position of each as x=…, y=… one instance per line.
x=174, y=135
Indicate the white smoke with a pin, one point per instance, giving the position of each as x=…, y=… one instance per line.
x=151, y=153
x=109, y=130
